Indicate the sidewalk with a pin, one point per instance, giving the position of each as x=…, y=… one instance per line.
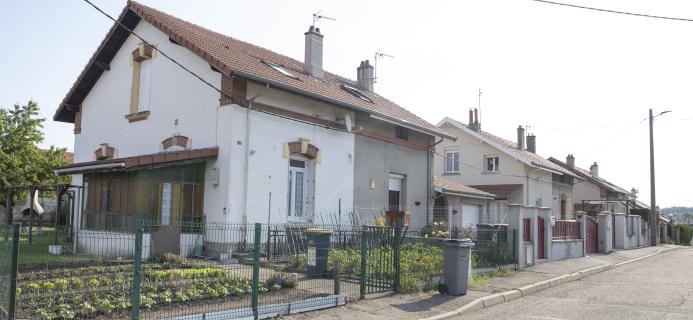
x=421, y=305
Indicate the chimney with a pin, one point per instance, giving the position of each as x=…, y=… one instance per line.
x=532, y=143
x=474, y=120
x=594, y=170
x=365, y=76
x=520, y=138
x=570, y=161
x=312, y=65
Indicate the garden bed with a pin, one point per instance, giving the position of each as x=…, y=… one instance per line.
x=96, y=292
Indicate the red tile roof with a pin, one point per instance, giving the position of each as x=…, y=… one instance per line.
x=239, y=58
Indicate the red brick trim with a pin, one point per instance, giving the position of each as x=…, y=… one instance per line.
x=177, y=140
x=297, y=116
x=137, y=116
x=295, y=148
x=388, y=139
x=104, y=152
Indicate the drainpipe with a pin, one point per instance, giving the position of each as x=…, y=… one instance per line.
x=247, y=151
x=429, y=196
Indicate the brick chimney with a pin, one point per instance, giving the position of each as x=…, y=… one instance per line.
x=594, y=170
x=520, y=138
x=474, y=120
x=532, y=143
x=312, y=65
x=365, y=76
x=570, y=161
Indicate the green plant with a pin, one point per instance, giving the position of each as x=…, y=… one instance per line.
x=105, y=306
x=174, y=258
x=42, y=314
x=65, y=312
x=86, y=308
x=146, y=301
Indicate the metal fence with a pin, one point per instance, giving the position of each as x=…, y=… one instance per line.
x=226, y=271
x=566, y=229
x=9, y=241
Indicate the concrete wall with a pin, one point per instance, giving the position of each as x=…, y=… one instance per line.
x=604, y=232
x=110, y=244
x=375, y=159
x=567, y=249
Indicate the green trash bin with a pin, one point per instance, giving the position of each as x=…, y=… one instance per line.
x=318, y=251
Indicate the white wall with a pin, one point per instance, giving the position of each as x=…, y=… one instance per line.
x=110, y=244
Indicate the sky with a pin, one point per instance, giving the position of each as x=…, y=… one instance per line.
x=581, y=80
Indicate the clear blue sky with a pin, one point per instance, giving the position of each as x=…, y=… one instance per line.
x=582, y=80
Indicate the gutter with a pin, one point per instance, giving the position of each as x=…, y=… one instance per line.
x=333, y=101
x=81, y=169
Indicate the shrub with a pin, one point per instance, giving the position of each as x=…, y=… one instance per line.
x=279, y=281
x=174, y=258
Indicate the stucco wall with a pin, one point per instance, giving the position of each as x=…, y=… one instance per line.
x=566, y=249
x=472, y=152
x=377, y=159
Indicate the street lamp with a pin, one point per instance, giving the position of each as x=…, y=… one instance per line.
x=654, y=219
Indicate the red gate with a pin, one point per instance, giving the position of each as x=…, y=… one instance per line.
x=591, y=240
x=541, y=234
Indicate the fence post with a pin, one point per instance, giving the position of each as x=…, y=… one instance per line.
x=13, y=272
x=516, y=259
x=337, y=276
x=137, y=270
x=398, y=235
x=364, y=247
x=256, y=269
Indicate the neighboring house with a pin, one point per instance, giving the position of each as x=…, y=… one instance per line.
x=283, y=140
x=461, y=206
x=595, y=194
x=511, y=171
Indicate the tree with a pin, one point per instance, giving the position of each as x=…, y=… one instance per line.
x=22, y=162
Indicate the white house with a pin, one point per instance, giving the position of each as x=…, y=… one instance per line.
x=515, y=174
x=191, y=125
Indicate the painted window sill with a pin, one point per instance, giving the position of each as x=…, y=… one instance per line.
x=452, y=173
x=137, y=116
x=490, y=172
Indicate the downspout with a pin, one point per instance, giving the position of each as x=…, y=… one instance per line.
x=247, y=151
x=430, y=177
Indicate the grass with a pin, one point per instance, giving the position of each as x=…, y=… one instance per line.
x=483, y=278
x=36, y=252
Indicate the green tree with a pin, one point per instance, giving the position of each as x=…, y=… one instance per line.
x=22, y=162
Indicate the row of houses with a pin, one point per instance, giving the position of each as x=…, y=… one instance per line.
x=242, y=134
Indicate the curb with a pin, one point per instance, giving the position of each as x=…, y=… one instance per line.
x=506, y=296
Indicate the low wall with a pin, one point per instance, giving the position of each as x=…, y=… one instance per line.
x=110, y=244
x=566, y=249
x=631, y=241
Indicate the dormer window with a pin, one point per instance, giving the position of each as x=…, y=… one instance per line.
x=356, y=92
x=280, y=69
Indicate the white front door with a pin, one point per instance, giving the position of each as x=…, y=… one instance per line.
x=299, y=194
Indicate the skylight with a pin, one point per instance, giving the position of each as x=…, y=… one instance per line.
x=356, y=92
x=280, y=69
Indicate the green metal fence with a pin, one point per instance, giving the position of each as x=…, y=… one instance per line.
x=9, y=241
x=223, y=271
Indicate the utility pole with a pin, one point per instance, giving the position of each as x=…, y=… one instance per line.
x=654, y=220
x=654, y=216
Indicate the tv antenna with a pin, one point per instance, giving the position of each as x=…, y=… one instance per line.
x=379, y=55
x=317, y=17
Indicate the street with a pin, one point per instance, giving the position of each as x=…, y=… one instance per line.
x=660, y=287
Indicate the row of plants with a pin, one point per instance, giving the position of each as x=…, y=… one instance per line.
x=106, y=291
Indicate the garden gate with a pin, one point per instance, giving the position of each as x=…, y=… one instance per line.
x=380, y=249
x=591, y=240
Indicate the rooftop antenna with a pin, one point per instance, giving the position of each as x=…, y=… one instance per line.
x=479, y=104
x=317, y=17
x=379, y=55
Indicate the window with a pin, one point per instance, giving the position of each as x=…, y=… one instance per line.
x=452, y=161
x=401, y=133
x=491, y=163
x=356, y=92
x=280, y=69
x=145, y=85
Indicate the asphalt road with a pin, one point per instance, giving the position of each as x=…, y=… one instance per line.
x=659, y=287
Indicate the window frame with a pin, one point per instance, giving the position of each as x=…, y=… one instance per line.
x=496, y=164
x=455, y=162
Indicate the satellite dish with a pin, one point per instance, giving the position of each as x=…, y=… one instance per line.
x=347, y=122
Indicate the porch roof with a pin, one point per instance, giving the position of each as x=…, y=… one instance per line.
x=449, y=187
x=142, y=161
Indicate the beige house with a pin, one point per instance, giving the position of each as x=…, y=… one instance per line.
x=511, y=170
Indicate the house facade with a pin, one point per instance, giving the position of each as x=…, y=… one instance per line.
x=512, y=171
x=180, y=124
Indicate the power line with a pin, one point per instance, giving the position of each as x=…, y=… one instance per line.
x=614, y=11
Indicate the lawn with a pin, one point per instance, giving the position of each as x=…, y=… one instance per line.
x=35, y=254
